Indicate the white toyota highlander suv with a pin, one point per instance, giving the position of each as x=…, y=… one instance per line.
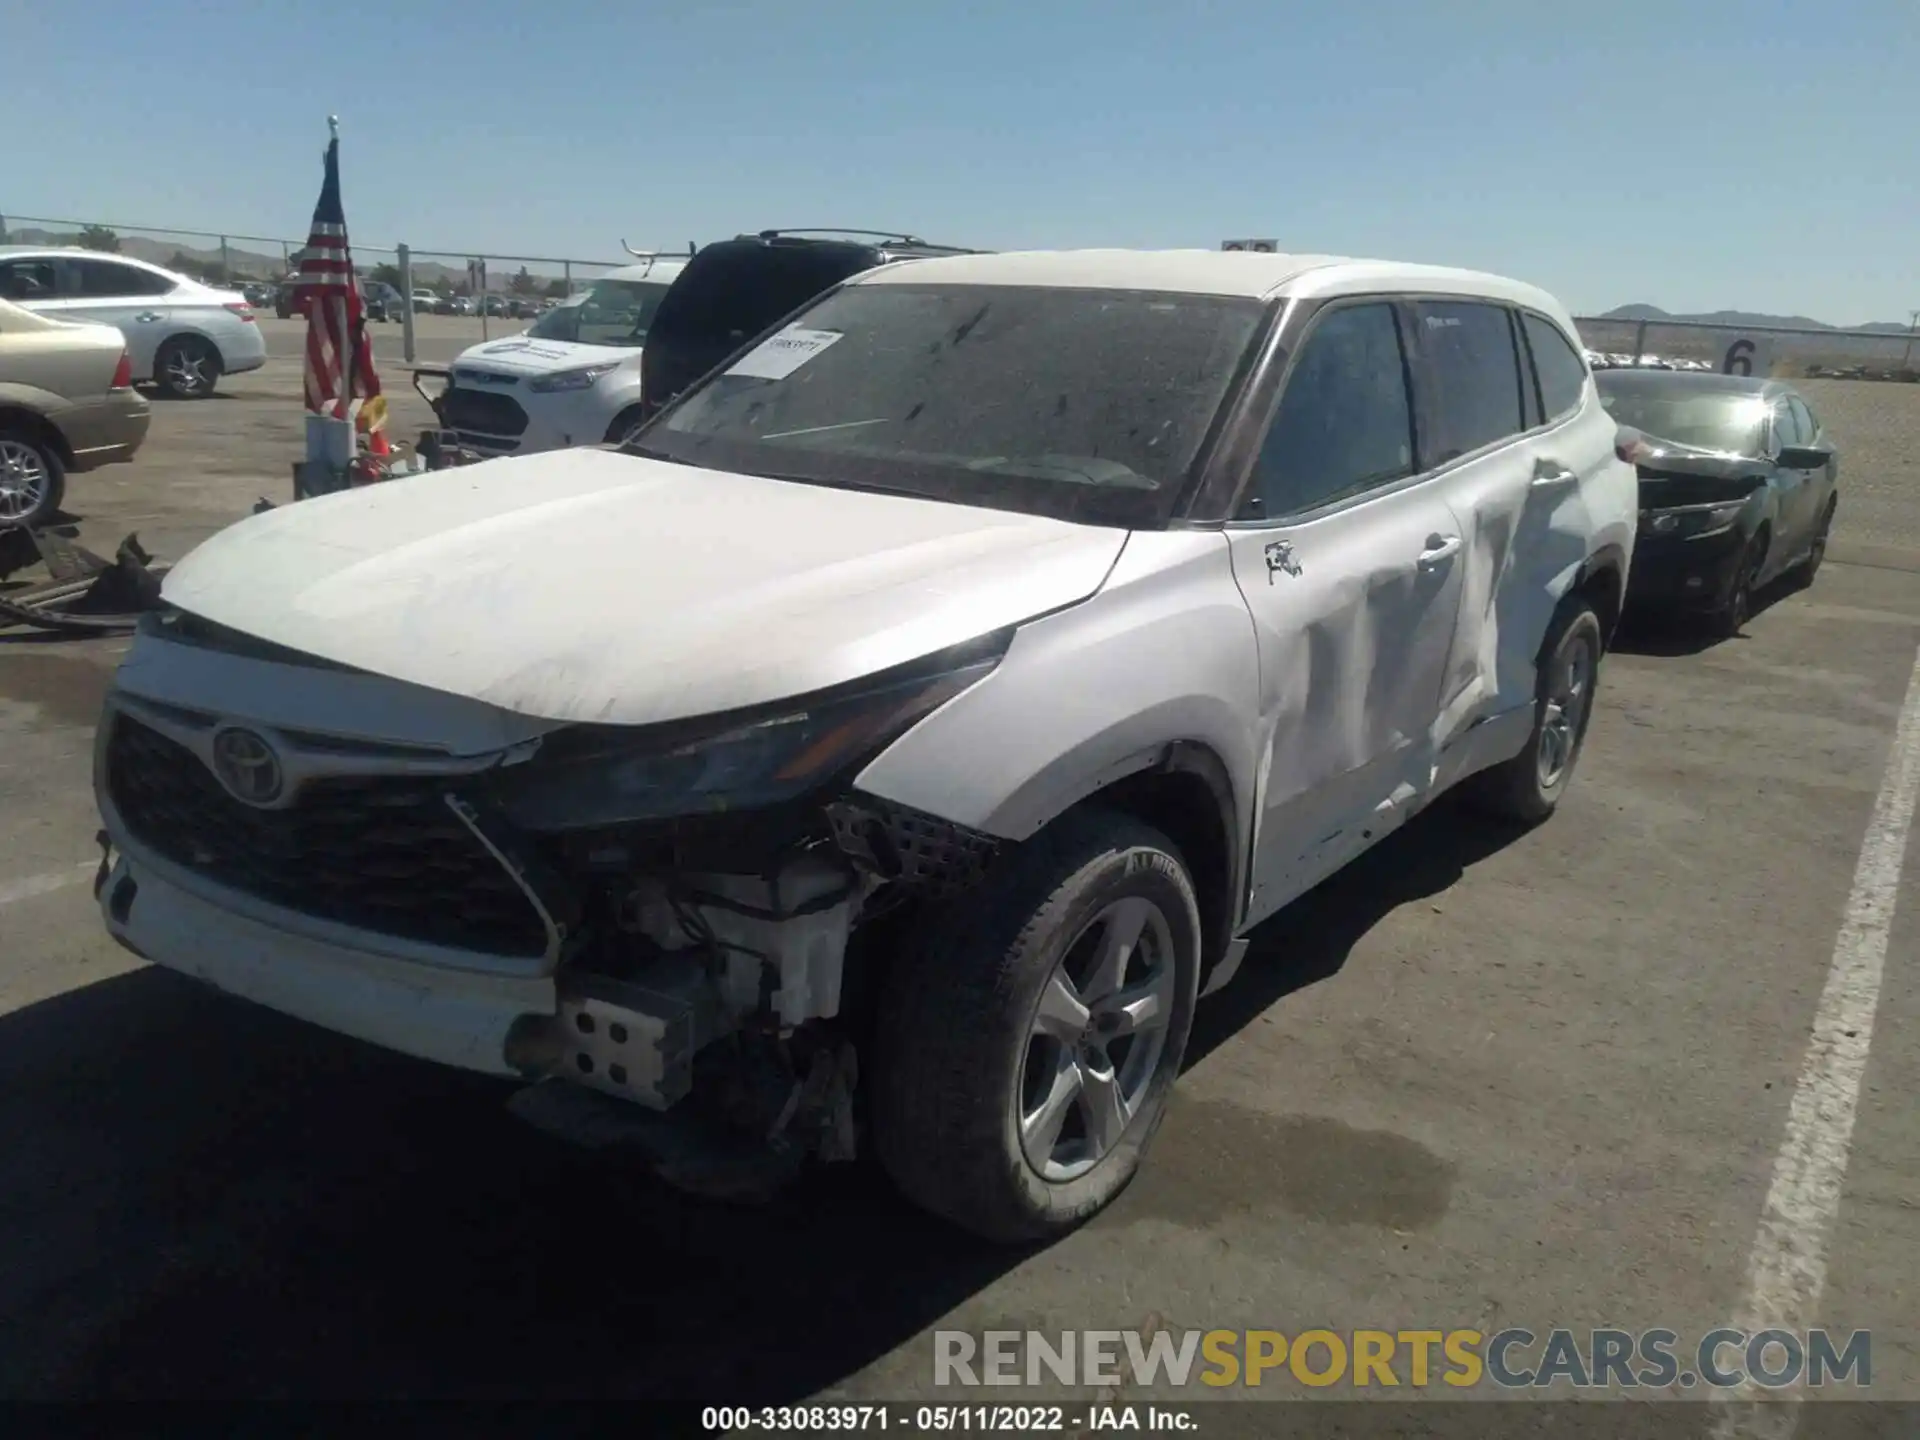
x=893, y=740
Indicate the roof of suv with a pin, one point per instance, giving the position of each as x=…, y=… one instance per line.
x=1206, y=272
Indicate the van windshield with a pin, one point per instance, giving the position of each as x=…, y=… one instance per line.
x=614, y=312
x=1084, y=404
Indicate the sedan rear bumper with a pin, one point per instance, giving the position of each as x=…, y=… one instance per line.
x=106, y=431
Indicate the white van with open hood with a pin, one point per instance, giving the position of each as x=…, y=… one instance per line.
x=570, y=378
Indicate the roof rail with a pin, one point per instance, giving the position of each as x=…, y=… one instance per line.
x=900, y=236
x=657, y=254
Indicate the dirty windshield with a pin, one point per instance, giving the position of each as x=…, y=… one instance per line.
x=613, y=312
x=1080, y=403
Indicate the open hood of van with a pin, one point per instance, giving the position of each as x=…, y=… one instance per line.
x=590, y=585
x=529, y=355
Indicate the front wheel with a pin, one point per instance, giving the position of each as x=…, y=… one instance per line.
x=625, y=425
x=1817, y=551
x=1028, y=1045
x=1528, y=787
x=1732, y=616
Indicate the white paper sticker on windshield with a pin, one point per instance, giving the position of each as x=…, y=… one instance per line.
x=780, y=355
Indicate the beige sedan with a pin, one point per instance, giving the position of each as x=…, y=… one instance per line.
x=67, y=403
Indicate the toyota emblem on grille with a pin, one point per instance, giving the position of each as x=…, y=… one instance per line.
x=246, y=765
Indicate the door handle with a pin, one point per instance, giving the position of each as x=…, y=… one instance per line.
x=1440, y=549
x=147, y=317
x=1549, y=475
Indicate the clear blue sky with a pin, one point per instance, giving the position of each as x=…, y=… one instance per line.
x=1692, y=154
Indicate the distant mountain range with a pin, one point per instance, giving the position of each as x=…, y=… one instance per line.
x=1735, y=319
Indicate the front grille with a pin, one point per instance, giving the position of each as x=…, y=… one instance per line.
x=377, y=853
x=482, y=411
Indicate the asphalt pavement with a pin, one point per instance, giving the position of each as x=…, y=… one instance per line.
x=1483, y=1078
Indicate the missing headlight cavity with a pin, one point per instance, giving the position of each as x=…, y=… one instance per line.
x=909, y=847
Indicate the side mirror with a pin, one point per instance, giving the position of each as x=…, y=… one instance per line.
x=1803, y=457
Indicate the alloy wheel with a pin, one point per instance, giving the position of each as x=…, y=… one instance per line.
x=187, y=369
x=23, y=480
x=1569, y=695
x=1097, y=1038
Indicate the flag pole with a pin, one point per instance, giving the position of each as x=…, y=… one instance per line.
x=330, y=446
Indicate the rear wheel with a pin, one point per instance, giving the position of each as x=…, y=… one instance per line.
x=186, y=368
x=1027, y=1045
x=32, y=476
x=1528, y=787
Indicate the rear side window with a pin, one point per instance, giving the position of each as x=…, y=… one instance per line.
x=1469, y=353
x=1563, y=374
x=27, y=280
x=1345, y=420
x=107, y=280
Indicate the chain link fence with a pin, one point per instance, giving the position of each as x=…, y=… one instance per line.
x=1785, y=352
x=473, y=294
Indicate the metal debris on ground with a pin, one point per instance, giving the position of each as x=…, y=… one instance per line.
x=84, y=593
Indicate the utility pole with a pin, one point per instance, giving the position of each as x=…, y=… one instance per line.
x=1913, y=323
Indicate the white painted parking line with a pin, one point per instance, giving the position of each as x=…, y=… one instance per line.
x=1787, y=1268
x=31, y=885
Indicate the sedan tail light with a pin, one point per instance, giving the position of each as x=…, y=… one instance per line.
x=123, y=372
x=245, y=312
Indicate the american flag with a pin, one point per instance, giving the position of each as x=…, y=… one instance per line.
x=339, y=355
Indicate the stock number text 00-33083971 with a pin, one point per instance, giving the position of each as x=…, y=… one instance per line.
x=911, y=1419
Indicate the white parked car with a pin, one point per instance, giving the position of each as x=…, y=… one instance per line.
x=424, y=302
x=182, y=335
x=930, y=701
x=570, y=378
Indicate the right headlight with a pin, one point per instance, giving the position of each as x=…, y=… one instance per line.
x=592, y=777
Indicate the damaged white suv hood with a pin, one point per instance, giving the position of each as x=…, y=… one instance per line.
x=588, y=585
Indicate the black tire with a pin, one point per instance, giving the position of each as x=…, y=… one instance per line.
x=624, y=424
x=957, y=1028
x=29, y=447
x=1732, y=616
x=1522, y=789
x=187, y=367
x=1817, y=551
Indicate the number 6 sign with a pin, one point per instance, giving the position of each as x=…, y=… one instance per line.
x=1747, y=356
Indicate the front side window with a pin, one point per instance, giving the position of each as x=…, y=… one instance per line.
x=1345, y=422
x=1809, y=427
x=1786, y=425
x=1084, y=404
x=1562, y=372
x=109, y=280
x=1469, y=354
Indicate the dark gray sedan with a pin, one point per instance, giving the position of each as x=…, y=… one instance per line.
x=1738, y=487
